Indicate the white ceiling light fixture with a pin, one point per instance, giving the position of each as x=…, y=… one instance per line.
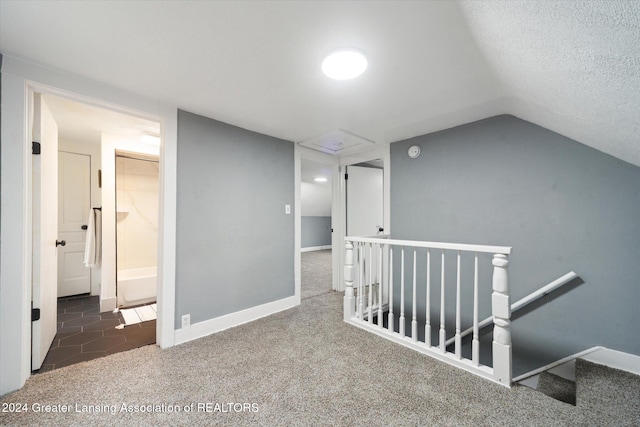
x=320, y=179
x=344, y=64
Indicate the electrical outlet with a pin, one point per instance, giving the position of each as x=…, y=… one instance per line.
x=186, y=321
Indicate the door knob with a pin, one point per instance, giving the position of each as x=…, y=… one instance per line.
x=60, y=242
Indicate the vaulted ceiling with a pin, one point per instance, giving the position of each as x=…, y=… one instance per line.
x=570, y=66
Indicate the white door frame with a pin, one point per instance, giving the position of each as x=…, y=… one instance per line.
x=316, y=156
x=19, y=81
x=380, y=151
x=338, y=203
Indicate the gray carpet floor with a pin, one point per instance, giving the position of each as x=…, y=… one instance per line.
x=300, y=367
x=315, y=272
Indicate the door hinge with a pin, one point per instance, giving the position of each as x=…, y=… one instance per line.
x=35, y=314
x=346, y=176
x=35, y=148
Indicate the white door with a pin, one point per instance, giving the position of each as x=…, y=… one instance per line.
x=74, y=204
x=365, y=217
x=364, y=201
x=45, y=231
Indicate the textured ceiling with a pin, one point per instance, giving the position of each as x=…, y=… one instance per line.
x=572, y=67
x=569, y=66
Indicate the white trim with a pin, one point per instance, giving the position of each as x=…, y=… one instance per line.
x=315, y=248
x=107, y=304
x=615, y=359
x=434, y=245
x=316, y=156
x=556, y=363
x=110, y=145
x=297, y=224
x=546, y=289
x=379, y=151
x=167, y=220
x=434, y=352
x=15, y=251
x=211, y=326
x=336, y=227
x=600, y=355
x=15, y=246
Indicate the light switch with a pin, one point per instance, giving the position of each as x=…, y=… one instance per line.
x=287, y=209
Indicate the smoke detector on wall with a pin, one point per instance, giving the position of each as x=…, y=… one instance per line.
x=414, y=151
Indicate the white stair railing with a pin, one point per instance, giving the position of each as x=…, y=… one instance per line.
x=547, y=289
x=369, y=292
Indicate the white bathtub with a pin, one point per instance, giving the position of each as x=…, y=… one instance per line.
x=136, y=286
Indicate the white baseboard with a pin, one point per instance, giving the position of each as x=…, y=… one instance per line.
x=315, y=248
x=107, y=304
x=600, y=355
x=211, y=326
x=615, y=359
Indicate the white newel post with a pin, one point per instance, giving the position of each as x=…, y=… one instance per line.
x=501, y=310
x=349, y=299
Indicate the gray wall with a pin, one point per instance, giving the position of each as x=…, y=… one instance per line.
x=315, y=231
x=561, y=205
x=234, y=242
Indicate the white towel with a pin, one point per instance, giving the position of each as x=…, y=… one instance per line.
x=93, y=241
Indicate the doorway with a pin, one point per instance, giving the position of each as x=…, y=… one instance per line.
x=365, y=198
x=74, y=202
x=83, y=329
x=316, y=202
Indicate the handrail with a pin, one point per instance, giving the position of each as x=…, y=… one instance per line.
x=505, y=250
x=522, y=302
x=362, y=254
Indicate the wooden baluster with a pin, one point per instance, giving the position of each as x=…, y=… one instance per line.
x=475, y=343
x=380, y=314
x=361, y=283
x=370, y=287
x=427, y=326
x=349, y=301
x=414, y=318
x=390, y=317
x=401, y=319
x=443, y=332
x=458, y=341
x=501, y=311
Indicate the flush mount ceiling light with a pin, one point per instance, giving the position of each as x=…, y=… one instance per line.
x=320, y=179
x=344, y=64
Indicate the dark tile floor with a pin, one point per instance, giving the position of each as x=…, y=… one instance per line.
x=85, y=334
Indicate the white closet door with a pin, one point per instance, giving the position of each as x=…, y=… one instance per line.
x=364, y=201
x=74, y=204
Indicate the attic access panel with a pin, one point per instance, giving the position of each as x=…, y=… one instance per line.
x=336, y=142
